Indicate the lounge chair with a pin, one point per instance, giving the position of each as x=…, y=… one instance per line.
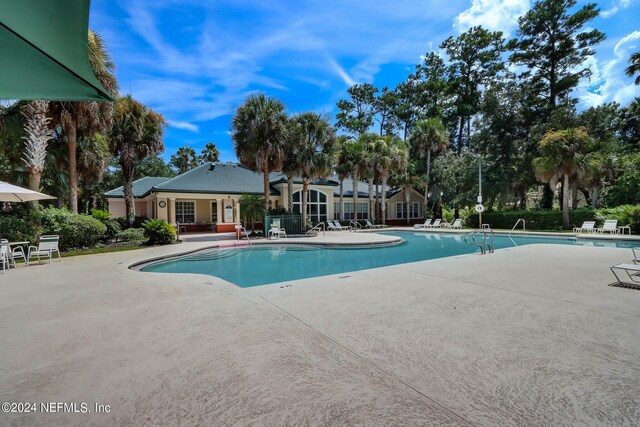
x=341, y=227
x=436, y=223
x=427, y=222
x=47, y=245
x=633, y=274
x=588, y=226
x=610, y=226
x=4, y=254
x=331, y=226
x=636, y=255
x=371, y=225
x=276, y=230
x=456, y=224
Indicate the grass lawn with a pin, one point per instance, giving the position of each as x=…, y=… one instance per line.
x=91, y=251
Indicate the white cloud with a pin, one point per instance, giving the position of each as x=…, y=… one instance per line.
x=495, y=15
x=609, y=82
x=616, y=7
x=346, y=78
x=184, y=125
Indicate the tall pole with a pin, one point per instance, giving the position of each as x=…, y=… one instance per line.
x=480, y=188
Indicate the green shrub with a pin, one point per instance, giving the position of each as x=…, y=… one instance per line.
x=131, y=235
x=75, y=230
x=19, y=224
x=625, y=214
x=158, y=232
x=137, y=222
x=113, y=227
x=536, y=219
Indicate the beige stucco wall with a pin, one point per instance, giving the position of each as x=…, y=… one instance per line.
x=399, y=198
x=118, y=209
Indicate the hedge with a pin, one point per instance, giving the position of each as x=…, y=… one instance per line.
x=538, y=219
x=75, y=230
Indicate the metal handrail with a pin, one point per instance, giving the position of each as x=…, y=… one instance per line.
x=317, y=227
x=355, y=225
x=486, y=232
x=241, y=227
x=524, y=225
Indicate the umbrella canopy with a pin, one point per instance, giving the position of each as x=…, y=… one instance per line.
x=13, y=193
x=45, y=52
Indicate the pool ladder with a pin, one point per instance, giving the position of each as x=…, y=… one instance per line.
x=314, y=230
x=524, y=225
x=486, y=233
x=355, y=225
x=241, y=228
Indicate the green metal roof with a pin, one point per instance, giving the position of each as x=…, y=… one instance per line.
x=220, y=178
x=141, y=187
x=45, y=53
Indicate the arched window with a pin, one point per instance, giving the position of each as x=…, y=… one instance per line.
x=316, y=204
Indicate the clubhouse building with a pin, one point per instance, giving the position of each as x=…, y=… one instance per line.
x=206, y=198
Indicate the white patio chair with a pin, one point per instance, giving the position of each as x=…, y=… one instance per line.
x=588, y=226
x=436, y=223
x=610, y=226
x=456, y=224
x=276, y=230
x=427, y=222
x=4, y=254
x=47, y=245
x=341, y=227
x=372, y=225
x=331, y=226
x=632, y=270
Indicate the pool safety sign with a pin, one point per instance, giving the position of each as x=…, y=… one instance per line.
x=479, y=208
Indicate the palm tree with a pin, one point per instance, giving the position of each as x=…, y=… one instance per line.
x=37, y=136
x=428, y=136
x=86, y=118
x=390, y=156
x=634, y=67
x=561, y=156
x=368, y=166
x=259, y=129
x=184, y=160
x=136, y=133
x=342, y=168
x=252, y=208
x=315, y=153
x=94, y=156
x=210, y=153
x=291, y=161
x=352, y=159
x=405, y=178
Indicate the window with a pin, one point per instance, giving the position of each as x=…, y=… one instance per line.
x=336, y=210
x=348, y=210
x=400, y=211
x=185, y=212
x=316, y=204
x=414, y=210
x=214, y=211
x=363, y=210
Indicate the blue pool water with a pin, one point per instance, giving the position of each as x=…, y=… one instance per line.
x=263, y=264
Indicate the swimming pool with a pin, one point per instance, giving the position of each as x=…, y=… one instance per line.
x=265, y=264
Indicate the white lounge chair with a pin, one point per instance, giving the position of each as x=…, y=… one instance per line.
x=588, y=226
x=276, y=230
x=4, y=254
x=371, y=225
x=456, y=224
x=610, y=226
x=436, y=223
x=633, y=273
x=47, y=245
x=331, y=226
x=636, y=255
x=341, y=227
x=427, y=222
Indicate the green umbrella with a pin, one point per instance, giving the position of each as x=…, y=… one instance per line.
x=44, y=51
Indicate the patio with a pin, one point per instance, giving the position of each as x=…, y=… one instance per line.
x=480, y=340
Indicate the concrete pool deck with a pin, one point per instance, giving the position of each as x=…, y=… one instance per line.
x=526, y=336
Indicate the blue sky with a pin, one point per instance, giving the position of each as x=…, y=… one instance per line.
x=196, y=61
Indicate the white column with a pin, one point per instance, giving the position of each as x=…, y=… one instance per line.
x=219, y=210
x=236, y=215
x=171, y=211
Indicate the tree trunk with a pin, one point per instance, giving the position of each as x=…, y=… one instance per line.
x=565, y=202
x=384, y=197
x=547, y=197
x=354, y=188
x=341, y=213
x=377, y=209
x=267, y=191
x=34, y=179
x=72, y=147
x=574, y=196
x=426, y=181
x=371, y=199
x=407, y=200
x=290, y=194
x=594, y=196
x=129, y=202
x=305, y=187
x=460, y=135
